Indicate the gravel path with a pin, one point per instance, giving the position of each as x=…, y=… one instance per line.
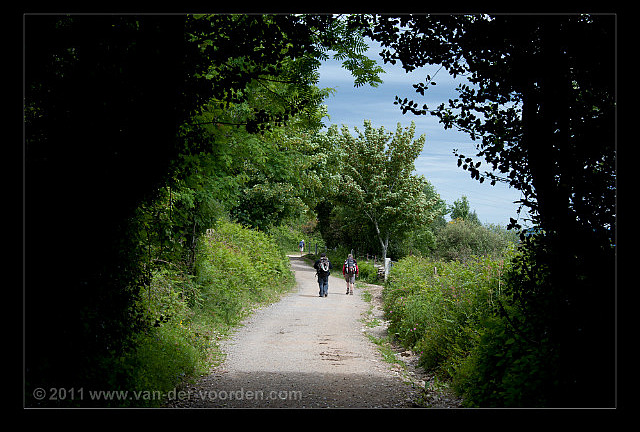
x=303, y=351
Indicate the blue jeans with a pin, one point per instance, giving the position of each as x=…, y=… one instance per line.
x=323, y=283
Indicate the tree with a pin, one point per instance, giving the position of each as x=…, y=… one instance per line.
x=377, y=179
x=539, y=126
x=117, y=110
x=541, y=102
x=461, y=210
x=422, y=240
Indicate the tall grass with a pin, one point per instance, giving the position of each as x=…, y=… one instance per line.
x=237, y=269
x=437, y=308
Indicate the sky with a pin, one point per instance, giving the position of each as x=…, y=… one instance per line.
x=351, y=106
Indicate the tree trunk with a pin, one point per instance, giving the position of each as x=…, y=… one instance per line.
x=385, y=246
x=383, y=243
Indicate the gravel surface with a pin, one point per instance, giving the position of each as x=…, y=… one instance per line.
x=304, y=351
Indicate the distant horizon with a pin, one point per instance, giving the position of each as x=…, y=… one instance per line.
x=350, y=106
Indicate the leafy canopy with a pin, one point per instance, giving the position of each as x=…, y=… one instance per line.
x=377, y=180
x=539, y=102
x=144, y=130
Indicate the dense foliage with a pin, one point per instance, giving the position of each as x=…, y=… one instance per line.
x=437, y=308
x=540, y=103
x=460, y=240
x=186, y=315
x=144, y=132
x=141, y=132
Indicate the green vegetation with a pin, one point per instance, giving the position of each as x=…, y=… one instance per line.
x=437, y=308
x=289, y=234
x=236, y=269
x=550, y=134
x=460, y=240
x=372, y=199
x=377, y=182
x=143, y=132
x=172, y=160
x=385, y=349
x=468, y=324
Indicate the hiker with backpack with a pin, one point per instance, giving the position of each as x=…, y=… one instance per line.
x=322, y=266
x=350, y=271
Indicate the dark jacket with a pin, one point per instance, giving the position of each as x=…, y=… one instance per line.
x=319, y=272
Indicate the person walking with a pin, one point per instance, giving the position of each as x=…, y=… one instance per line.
x=322, y=266
x=350, y=271
x=301, y=246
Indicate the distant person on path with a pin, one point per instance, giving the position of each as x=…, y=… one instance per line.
x=322, y=266
x=301, y=246
x=350, y=271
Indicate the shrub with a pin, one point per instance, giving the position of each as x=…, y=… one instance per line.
x=236, y=269
x=170, y=349
x=504, y=369
x=436, y=308
x=367, y=272
x=165, y=356
x=517, y=361
x=287, y=237
x=460, y=240
x=473, y=324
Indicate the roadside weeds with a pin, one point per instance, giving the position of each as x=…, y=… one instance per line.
x=432, y=392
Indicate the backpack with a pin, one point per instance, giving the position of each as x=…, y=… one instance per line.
x=350, y=266
x=323, y=266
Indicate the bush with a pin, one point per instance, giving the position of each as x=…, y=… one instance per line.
x=169, y=349
x=504, y=369
x=287, y=237
x=487, y=326
x=436, y=308
x=165, y=356
x=530, y=352
x=367, y=272
x=236, y=269
x=460, y=240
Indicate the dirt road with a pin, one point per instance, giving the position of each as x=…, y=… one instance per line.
x=304, y=351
